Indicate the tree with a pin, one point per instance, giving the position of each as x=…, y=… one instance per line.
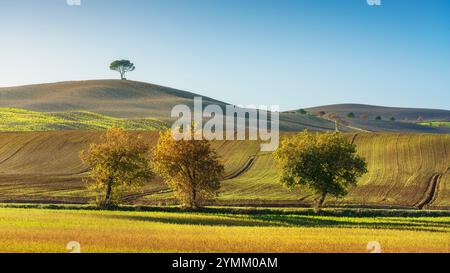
x=118, y=162
x=324, y=163
x=302, y=111
x=392, y=119
x=122, y=66
x=321, y=113
x=351, y=115
x=378, y=118
x=337, y=121
x=190, y=167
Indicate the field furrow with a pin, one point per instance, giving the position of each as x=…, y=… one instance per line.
x=46, y=166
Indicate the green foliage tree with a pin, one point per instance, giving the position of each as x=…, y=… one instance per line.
x=190, y=167
x=378, y=118
x=351, y=115
x=325, y=163
x=120, y=161
x=392, y=118
x=123, y=67
x=302, y=111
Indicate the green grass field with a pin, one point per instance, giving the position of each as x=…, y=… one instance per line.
x=19, y=120
x=436, y=123
x=40, y=230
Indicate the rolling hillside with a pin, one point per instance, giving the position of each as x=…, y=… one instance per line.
x=405, y=170
x=371, y=111
x=116, y=98
x=405, y=119
x=98, y=104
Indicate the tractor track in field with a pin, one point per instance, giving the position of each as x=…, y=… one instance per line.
x=247, y=165
x=135, y=196
x=243, y=169
x=431, y=192
x=16, y=151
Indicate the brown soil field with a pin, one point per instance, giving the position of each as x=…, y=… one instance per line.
x=405, y=170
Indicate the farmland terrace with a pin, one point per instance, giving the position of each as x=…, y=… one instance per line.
x=405, y=171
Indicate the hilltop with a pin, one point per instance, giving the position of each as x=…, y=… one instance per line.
x=118, y=99
x=100, y=104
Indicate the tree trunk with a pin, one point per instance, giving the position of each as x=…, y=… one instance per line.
x=319, y=202
x=107, y=202
x=194, y=199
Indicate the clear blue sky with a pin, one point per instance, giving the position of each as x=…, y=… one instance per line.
x=292, y=53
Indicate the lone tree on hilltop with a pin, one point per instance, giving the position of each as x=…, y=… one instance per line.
x=190, y=167
x=324, y=163
x=120, y=161
x=122, y=66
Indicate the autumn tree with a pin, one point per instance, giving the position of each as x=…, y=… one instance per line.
x=321, y=114
x=324, y=163
x=123, y=67
x=190, y=167
x=120, y=161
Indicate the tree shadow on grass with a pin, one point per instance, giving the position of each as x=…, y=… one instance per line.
x=205, y=221
x=380, y=223
x=288, y=221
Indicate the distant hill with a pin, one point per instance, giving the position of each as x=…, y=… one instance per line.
x=371, y=111
x=136, y=105
x=121, y=99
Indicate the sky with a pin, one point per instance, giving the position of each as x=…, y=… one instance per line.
x=294, y=54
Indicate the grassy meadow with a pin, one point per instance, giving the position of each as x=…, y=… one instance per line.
x=436, y=123
x=20, y=120
x=43, y=230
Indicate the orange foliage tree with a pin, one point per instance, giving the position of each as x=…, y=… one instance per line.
x=118, y=162
x=190, y=167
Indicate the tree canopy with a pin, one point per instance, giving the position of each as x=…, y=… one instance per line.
x=118, y=162
x=325, y=163
x=123, y=67
x=190, y=167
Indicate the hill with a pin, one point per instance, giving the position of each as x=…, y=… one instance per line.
x=116, y=98
x=393, y=119
x=138, y=105
x=372, y=111
x=119, y=99
x=405, y=170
